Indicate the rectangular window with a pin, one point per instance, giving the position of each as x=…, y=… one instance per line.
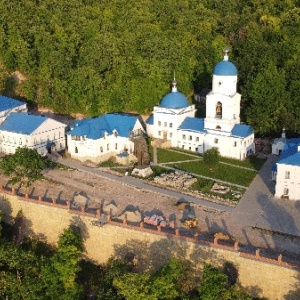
x=190, y=138
x=159, y=133
x=190, y=148
x=159, y=123
x=101, y=149
x=20, y=142
x=234, y=144
x=165, y=124
x=116, y=146
x=287, y=175
x=171, y=125
x=197, y=138
x=107, y=147
x=183, y=137
x=285, y=191
x=171, y=134
x=216, y=141
x=182, y=146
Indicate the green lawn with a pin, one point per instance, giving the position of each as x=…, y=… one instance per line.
x=251, y=162
x=221, y=172
x=165, y=155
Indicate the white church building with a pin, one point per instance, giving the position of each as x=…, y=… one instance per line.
x=174, y=122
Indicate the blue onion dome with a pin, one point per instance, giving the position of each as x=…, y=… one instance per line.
x=225, y=67
x=174, y=99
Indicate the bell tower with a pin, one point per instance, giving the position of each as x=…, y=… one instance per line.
x=223, y=102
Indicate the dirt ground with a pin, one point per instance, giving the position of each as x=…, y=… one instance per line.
x=98, y=192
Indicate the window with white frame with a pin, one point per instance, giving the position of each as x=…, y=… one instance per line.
x=197, y=138
x=190, y=138
x=159, y=123
x=285, y=191
x=170, y=134
x=159, y=133
x=287, y=175
x=234, y=144
x=183, y=136
x=165, y=124
x=171, y=125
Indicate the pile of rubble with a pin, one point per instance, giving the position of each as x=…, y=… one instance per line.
x=178, y=180
x=219, y=188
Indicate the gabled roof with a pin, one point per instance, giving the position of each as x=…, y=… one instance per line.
x=95, y=128
x=22, y=123
x=150, y=120
x=241, y=130
x=192, y=124
x=293, y=160
x=8, y=103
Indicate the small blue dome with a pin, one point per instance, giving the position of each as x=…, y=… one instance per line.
x=174, y=100
x=225, y=68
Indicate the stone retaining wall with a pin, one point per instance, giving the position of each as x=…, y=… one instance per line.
x=273, y=278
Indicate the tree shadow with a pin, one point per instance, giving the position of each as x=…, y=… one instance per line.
x=79, y=225
x=294, y=294
x=6, y=210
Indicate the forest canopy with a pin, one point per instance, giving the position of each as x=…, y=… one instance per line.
x=92, y=56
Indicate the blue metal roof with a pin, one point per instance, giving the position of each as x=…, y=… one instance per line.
x=293, y=160
x=150, y=120
x=8, y=103
x=225, y=68
x=192, y=124
x=22, y=123
x=174, y=100
x=95, y=128
x=241, y=130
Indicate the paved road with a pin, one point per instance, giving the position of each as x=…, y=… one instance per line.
x=259, y=208
x=141, y=184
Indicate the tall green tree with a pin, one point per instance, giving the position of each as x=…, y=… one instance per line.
x=24, y=167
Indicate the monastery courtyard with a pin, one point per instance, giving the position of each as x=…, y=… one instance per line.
x=258, y=221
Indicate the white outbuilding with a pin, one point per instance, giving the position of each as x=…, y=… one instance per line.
x=286, y=171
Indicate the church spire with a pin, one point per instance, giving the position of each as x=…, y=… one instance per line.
x=226, y=51
x=174, y=84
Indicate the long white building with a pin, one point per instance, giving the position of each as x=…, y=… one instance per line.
x=8, y=105
x=97, y=139
x=35, y=132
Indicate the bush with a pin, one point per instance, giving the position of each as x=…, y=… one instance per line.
x=212, y=156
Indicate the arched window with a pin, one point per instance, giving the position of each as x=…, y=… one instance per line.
x=218, y=127
x=219, y=110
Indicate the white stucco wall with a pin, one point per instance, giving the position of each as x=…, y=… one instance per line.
x=50, y=130
x=287, y=181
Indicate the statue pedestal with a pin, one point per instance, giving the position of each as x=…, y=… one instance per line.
x=142, y=172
